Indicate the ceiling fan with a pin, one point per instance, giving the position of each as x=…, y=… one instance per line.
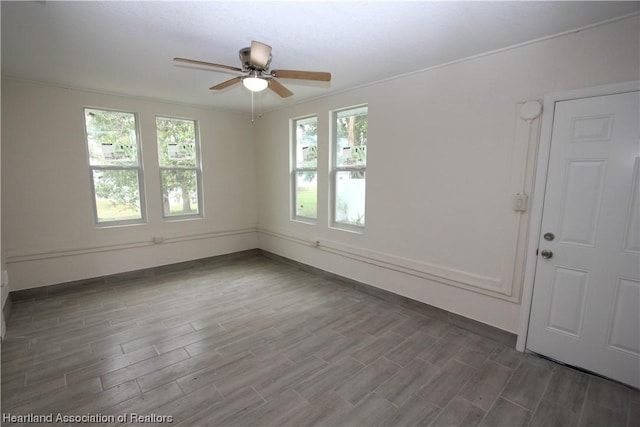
x=255, y=74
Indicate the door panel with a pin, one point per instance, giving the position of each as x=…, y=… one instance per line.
x=566, y=305
x=632, y=229
x=624, y=335
x=582, y=198
x=586, y=301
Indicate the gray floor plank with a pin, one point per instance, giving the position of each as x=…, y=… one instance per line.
x=459, y=412
x=257, y=342
x=485, y=386
x=551, y=414
x=407, y=381
x=447, y=382
x=147, y=366
x=415, y=412
x=507, y=414
x=329, y=378
x=568, y=388
x=527, y=384
x=367, y=380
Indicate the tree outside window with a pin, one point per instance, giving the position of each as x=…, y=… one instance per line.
x=178, y=155
x=305, y=170
x=349, y=166
x=115, y=165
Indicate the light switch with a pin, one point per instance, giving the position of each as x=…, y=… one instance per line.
x=520, y=202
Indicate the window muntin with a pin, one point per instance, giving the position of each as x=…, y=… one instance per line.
x=179, y=161
x=115, y=166
x=305, y=170
x=349, y=166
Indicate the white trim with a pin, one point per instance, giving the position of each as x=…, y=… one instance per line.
x=537, y=201
x=244, y=112
x=457, y=61
x=489, y=286
x=59, y=253
x=525, y=140
x=138, y=168
x=197, y=169
x=334, y=168
x=124, y=95
x=294, y=170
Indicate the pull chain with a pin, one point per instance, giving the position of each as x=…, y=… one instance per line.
x=251, y=106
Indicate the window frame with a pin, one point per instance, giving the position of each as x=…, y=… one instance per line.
x=295, y=170
x=197, y=168
x=335, y=169
x=139, y=168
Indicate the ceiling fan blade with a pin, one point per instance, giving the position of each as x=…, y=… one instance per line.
x=260, y=55
x=208, y=64
x=303, y=75
x=278, y=88
x=226, y=84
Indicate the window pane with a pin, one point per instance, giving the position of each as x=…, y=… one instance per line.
x=179, y=192
x=351, y=137
x=176, y=142
x=307, y=194
x=350, y=197
x=117, y=195
x=111, y=137
x=307, y=143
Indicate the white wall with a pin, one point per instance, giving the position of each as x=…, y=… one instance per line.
x=446, y=154
x=49, y=234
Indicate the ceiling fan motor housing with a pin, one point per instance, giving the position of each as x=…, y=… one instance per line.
x=245, y=60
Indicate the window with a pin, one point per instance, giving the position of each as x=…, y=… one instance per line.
x=349, y=144
x=115, y=166
x=180, y=173
x=305, y=168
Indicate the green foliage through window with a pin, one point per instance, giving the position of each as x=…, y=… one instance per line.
x=350, y=162
x=179, y=166
x=112, y=143
x=305, y=173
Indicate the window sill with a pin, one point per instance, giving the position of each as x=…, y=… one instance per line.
x=118, y=224
x=349, y=228
x=178, y=218
x=305, y=220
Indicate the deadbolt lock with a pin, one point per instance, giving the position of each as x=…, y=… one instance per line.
x=549, y=236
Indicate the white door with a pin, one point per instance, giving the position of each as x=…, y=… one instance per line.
x=586, y=299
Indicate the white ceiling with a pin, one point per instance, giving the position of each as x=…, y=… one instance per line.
x=127, y=47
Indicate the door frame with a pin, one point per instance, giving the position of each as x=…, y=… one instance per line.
x=540, y=183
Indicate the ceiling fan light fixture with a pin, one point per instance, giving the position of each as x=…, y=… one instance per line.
x=255, y=84
x=255, y=74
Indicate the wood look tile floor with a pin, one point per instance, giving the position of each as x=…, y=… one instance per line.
x=258, y=342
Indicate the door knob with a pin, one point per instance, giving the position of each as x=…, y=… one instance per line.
x=546, y=253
